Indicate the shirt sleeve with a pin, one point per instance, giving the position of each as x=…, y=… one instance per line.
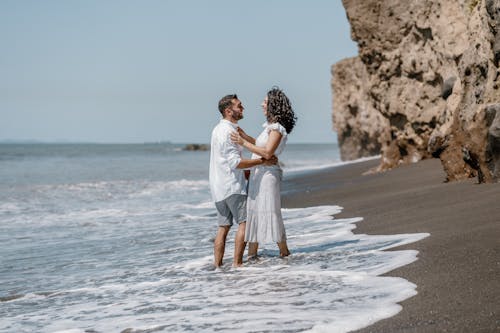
x=277, y=127
x=232, y=152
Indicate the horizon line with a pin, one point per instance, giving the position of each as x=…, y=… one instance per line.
x=11, y=141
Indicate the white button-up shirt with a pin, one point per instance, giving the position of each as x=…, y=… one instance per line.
x=225, y=178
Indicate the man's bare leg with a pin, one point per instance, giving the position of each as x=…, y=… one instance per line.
x=252, y=250
x=239, y=245
x=284, y=252
x=220, y=245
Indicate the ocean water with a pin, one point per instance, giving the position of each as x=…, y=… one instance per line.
x=119, y=238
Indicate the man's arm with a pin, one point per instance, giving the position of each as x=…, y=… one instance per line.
x=245, y=164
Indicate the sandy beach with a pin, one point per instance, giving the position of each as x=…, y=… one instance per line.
x=458, y=270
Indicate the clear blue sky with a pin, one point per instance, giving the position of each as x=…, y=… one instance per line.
x=154, y=70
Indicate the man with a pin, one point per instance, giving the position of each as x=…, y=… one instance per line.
x=227, y=179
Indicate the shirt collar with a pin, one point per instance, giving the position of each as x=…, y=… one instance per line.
x=230, y=123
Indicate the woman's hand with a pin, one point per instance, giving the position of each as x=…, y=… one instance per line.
x=236, y=138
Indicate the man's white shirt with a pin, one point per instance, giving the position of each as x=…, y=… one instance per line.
x=225, y=178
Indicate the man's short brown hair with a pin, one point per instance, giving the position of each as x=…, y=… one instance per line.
x=226, y=102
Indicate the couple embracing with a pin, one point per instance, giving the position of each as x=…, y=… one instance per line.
x=258, y=212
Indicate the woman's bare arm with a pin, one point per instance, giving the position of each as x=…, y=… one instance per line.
x=245, y=136
x=267, y=151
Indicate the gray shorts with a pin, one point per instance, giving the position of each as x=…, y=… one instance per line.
x=234, y=207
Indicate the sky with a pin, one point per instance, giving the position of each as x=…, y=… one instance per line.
x=154, y=70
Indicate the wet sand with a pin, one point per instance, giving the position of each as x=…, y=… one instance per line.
x=458, y=270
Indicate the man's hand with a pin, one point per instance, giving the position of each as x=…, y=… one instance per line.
x=272, y=161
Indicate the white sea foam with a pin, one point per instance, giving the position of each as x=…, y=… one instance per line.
x=184, y=185
x=137, y=188
x=310, y=165
x=203, y=205
x=165, y=281
x=10, y=208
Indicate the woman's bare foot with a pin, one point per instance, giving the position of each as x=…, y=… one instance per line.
x=252, y=250
x=284, y=252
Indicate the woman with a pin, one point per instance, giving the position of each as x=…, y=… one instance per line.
x=264, y=220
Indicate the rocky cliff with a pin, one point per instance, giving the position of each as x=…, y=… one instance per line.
x=425, y=84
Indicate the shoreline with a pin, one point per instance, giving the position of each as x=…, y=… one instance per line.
x=458, y=268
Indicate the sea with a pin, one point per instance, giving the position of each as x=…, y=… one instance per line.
x=103, y=238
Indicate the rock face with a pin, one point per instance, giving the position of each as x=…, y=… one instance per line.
x=358, y=128
x=196, y=147
x=425, y=84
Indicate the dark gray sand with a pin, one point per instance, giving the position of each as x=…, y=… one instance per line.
x=458, y=270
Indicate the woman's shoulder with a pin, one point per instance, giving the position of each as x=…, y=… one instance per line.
x=276, y=127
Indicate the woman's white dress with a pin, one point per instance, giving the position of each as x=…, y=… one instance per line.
x=264, y=220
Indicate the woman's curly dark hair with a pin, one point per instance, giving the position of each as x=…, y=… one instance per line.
x=279, y=109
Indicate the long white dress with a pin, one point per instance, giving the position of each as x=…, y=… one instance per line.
x=264, y=220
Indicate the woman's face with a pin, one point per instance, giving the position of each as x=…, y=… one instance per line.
x=264, y=106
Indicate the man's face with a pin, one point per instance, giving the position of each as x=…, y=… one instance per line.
x=236, y=110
